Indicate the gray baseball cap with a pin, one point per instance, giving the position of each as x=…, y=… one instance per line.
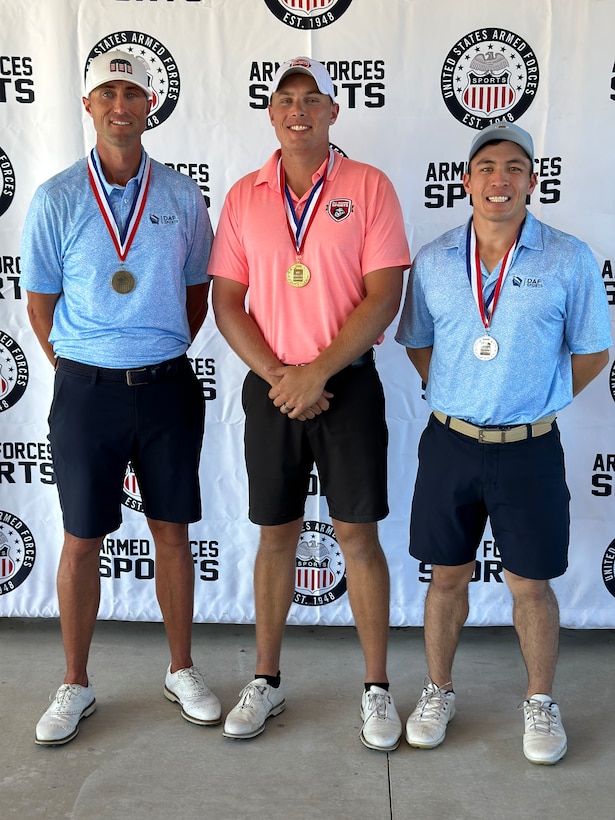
x=503, y=131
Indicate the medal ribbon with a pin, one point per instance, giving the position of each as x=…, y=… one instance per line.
x=486, y=305
x=124, y=241
x=298, y=227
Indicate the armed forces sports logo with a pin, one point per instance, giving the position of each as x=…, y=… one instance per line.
x=17, y=552
x=608, y=568
x=310, y=14
x=161, y=68
x=131, y=495
x=320, y=569
x=612, y=381
x=7, y=182
x=489, y=75
x=13, y=372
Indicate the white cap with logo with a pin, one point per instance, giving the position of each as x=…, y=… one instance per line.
x=117, y=65
x=304, y=65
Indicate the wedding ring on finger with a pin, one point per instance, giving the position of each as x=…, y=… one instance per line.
x=285, y=408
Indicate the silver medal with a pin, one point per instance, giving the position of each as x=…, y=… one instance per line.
x=485, y=348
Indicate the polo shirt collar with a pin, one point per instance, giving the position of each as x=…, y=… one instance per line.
x=269, y=172
x=531, y=236
x=109, y=187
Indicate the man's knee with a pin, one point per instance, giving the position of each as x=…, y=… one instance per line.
x=451, y=579
x=528, y=588
x=281, y=539
x=168, y=534
x=358, y=542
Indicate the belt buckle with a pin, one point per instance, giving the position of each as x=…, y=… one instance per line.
x=129, y=380
x=481, y=435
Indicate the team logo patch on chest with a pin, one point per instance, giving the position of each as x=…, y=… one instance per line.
x=339, y=209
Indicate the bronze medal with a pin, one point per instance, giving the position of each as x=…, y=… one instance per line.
x=298, y=275
x=123, y=281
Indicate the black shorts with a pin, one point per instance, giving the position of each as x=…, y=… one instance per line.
x=97, y=426
x=521, y=486
x=348, y=443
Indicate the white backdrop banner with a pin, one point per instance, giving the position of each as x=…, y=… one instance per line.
x=415, y=79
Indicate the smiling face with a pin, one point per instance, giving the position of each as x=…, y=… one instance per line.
x=301, y=115
x=119, y=111
x=500, y=178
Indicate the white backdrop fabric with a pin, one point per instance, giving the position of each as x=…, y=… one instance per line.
x=415, y=80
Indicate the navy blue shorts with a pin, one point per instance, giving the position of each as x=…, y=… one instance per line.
x=97, y=426
x=348, y=443
x=520, y=486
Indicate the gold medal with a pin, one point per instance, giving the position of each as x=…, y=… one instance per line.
x=123, y=281
x=298, y=275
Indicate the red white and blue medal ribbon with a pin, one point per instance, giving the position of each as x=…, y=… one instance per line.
x=298, y=274
x=122, y=281
x=486, y=347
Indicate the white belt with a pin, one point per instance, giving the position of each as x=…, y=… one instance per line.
x=497, y=435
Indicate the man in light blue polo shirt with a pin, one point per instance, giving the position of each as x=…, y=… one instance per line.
x=505, y=320
x=114, y=259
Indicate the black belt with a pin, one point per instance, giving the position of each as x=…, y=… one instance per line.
x=132, y=377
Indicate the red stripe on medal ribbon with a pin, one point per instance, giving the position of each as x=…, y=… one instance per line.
x=298, y=240
x=486, y=313
x=107, y=214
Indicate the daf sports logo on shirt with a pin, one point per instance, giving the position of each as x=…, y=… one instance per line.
x=161, y=68
x=17, y=552
x=13, y=372
x=489, y=75
x=308, y=14
x=320, y=569
x=7, y=182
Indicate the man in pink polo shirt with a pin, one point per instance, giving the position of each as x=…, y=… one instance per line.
x=318, y=241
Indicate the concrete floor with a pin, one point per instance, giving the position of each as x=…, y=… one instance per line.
x=135, y=757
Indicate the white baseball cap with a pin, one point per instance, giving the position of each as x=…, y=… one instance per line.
x=304, y=65
x=117, y=65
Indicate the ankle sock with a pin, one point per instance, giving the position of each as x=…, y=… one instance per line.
x=380, y=685
x=272, y=680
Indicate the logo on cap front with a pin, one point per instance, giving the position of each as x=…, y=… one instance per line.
x=308, y=14
x=120, y=66
x=162, y=72
x=489, y=75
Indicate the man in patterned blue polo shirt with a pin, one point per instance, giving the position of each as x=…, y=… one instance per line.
x=505, y=320
x=114, y=256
